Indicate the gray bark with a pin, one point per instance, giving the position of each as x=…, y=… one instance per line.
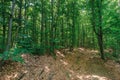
x=10, y=26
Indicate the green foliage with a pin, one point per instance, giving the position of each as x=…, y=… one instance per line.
x=24, y=42
x=14, y=55
x=39, y=50
x=112, y=27
x=109, y=56
x=41, y=26
x=114, y=56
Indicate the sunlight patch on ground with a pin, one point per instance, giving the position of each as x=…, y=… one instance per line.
x=60, y=54
x=23, y=55
x=94, y=51
x=71, y=71
x=63, y=62
x=82, y=49
x=12, y=76
x=91, y=77
x=47, y=69
x=15, y=75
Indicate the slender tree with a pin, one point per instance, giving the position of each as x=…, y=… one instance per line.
x=97, y=28
x=4, y=20
x=10, y=26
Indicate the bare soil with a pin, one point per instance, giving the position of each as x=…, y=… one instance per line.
x=81, y=64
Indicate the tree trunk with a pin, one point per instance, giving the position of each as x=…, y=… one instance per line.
x=4, y=26
x=52, y=27
x=98, y=31
x=100, y=36
x=10, y=26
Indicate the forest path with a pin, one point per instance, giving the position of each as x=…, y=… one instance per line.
x=81, y=64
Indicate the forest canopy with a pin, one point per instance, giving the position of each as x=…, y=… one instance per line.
x=42, y=26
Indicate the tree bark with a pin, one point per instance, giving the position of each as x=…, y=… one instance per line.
x=98, y=31
x=100, y=36
x=4, y=26
x=10, y=26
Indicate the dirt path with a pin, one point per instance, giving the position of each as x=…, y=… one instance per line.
x=81, y=64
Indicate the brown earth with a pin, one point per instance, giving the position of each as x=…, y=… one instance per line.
x=81, y=64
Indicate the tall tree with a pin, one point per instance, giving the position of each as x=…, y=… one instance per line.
x=97, y=28
x=52, y=44
x=10, y=26
x=4, y=20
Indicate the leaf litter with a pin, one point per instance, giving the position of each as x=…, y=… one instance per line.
x=80, y=64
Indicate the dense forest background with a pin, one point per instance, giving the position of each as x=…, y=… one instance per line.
x=42, y=26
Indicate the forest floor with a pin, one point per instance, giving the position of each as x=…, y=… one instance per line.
x=81, y=64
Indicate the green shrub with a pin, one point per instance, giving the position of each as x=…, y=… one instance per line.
x=13, y=54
